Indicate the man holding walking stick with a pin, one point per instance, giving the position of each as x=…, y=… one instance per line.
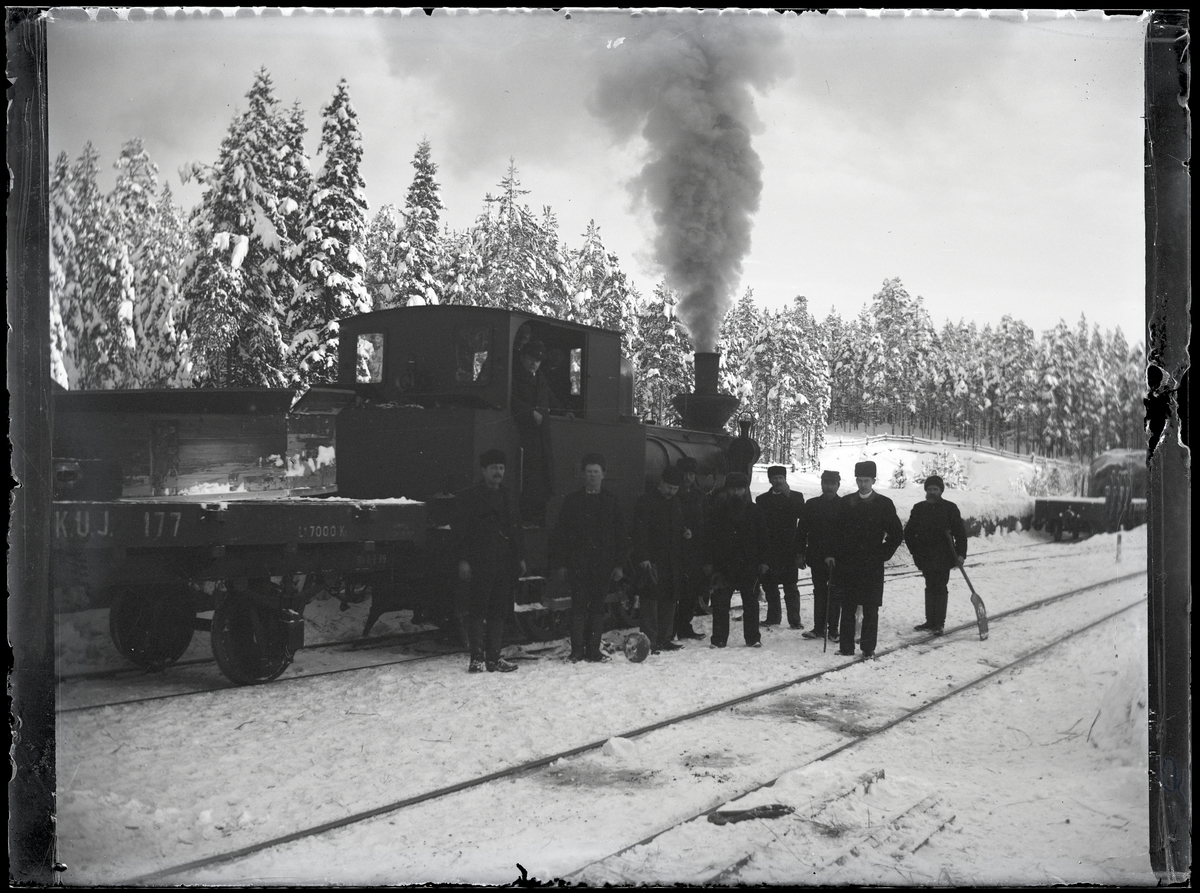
x=819, y=523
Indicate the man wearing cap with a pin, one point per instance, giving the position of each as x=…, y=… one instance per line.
x=821, y=520
x=530, y=402
x=868, y=535
x=738, y=546
x=925, y=534
x=487, y=540
x=695, y=583
x=659, y=534
x=782, y=510
x=589, y=548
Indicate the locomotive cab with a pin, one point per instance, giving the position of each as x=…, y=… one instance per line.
x=434, y=386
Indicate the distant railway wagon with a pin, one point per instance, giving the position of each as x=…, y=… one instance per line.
x=1115, y=498
x=248, y=502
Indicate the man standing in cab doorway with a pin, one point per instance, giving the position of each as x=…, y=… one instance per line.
x=821, y=520
x=659, y=535
x=589, y=548
x=927, y=540
x=783, y=512
x=530, y=401
x=868, y=535
x=487, y=538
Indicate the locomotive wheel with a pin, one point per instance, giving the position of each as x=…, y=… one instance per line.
x=152, y=624
x=248, y=646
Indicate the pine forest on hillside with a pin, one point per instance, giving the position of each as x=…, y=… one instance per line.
x=247, y=288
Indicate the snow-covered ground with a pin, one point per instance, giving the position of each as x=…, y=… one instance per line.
x=1035, y=775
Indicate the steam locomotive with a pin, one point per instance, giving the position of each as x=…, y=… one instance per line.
x=248, y=502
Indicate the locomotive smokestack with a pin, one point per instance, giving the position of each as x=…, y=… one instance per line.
x=705, y=409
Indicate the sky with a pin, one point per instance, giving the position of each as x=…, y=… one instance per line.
x=992, y=164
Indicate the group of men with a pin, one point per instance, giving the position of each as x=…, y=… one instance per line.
x=683, y=543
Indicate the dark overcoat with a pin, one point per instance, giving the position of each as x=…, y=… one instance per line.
x=925, y=535
x=783, y=514
x=486, y=532
x=737, y=540
x=658, y=533
x=819, y=527
x=868, y=533
x=695, y=512
x=589, y=536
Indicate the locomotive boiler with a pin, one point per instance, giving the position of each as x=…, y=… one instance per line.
x=250, y=502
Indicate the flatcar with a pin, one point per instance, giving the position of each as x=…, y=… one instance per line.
x=248, y=502
x=1114, y=498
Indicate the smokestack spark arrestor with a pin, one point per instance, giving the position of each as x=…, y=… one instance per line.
x=705, y=409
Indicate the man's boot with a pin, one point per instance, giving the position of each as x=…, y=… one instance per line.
x=595, y=634
x=578, y=630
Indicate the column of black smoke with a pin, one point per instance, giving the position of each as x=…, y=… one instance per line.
x=686, y=81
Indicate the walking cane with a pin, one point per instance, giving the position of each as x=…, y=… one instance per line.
x=828, y=596
x=980, y=611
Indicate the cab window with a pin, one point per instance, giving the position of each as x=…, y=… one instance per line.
x=369, y=362
x=473, y=349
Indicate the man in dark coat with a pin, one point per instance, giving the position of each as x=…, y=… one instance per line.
x=695, y=583
x=820, y=523
x=589, y=548
x=738, y=546
x=868, y=535
x=530, y=402
x=783, y=512
x=659, y=534
x=487, y=539
x=925, y=534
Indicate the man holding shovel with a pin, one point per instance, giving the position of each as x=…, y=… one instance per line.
x=932, y=526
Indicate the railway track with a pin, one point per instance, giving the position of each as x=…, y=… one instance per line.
x=591, y=871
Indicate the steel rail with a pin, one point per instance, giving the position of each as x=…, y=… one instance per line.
x=540, y=762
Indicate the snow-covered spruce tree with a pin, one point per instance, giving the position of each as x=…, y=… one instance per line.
x=897, y=353
x=335, y=286
x=163, y=354
x=661, y=354
x=419, y=247
x=811, y=371
x=1056, y=411
x=520, y=260
x=234, y=267
x=1011, y=360
x=738, y=332
x=153, y=228
x=462, y=275
x=601, y=292
x=96, y=279
x=379, y=259
x=62, y=244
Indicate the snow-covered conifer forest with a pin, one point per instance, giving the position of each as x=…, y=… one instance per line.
x=247, y=288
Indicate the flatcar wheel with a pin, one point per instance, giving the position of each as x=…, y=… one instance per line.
x=248, y=646
x=152, y=624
